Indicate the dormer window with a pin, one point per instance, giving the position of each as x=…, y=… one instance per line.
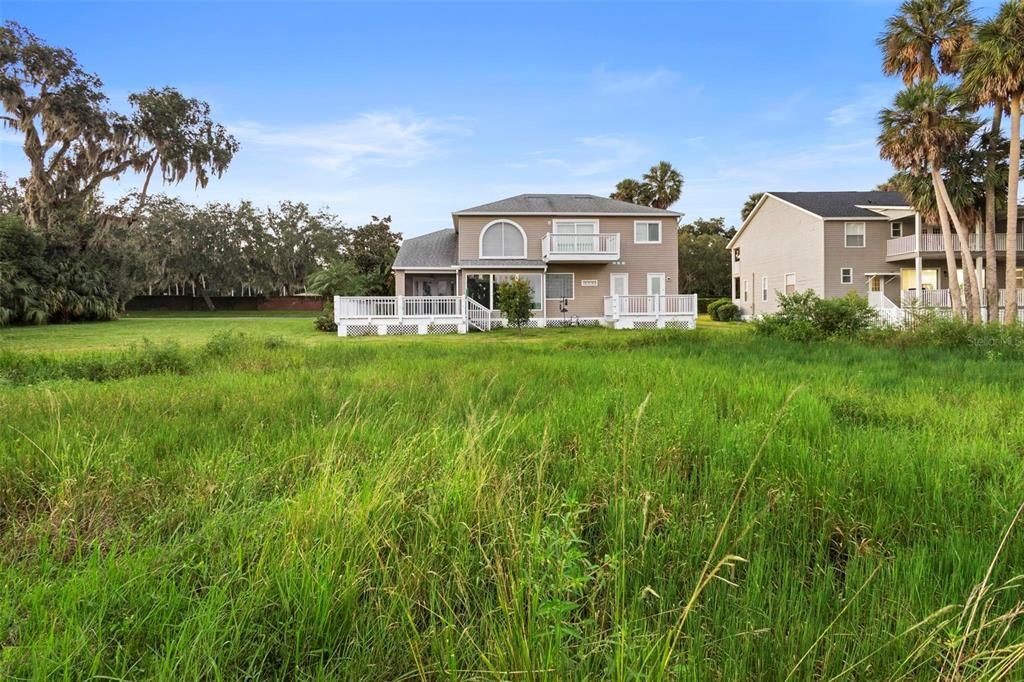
x=502, y=239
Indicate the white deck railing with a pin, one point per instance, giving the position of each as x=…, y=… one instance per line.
x=349, y=307
x=605, y=245
x=933, y=243
x=650, y=305
x=437, y=314
x=360, y=307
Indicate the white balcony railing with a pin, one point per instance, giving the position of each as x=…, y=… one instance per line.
x=580, y=246
x=933, y=243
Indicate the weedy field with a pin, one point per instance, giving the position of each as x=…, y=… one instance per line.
x=246, y=498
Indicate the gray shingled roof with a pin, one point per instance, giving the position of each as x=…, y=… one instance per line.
x=569, y=204
x=434, y=250
x=842, y=204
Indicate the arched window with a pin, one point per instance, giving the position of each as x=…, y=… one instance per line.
x=502, y=239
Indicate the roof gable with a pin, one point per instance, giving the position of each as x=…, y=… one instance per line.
x=829, y=205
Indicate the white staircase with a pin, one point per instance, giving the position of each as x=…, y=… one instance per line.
x=478, y=316
x=889, y=314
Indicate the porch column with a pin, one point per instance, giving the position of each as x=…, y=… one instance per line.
x=917, y=257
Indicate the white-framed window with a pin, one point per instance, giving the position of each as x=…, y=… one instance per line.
x=560, y=285
x=846, y=275
x=854, y=235
x=764, y=288
x=647, y=231
x=790, y=283
x=735, y=288
x=896, y=230
x=502, y=239
x=746, y=287
x=574, y=227
x=736, y=255
x=574, y=236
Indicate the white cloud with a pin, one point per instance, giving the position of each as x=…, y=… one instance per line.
x=596, y=155
x=384, y=138
x=622, y=82
x=784, y=110
x=863, y=110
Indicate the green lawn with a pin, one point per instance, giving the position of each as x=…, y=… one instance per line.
x=183, y=328
x=259, y=500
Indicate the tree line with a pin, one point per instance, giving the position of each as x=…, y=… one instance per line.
x=67, y=254
x=242, y=250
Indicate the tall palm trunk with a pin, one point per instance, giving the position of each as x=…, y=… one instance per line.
x=966, y=258
x=947, y=245
x=991, y=271
x=1011, y=212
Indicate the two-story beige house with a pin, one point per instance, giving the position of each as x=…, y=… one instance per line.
x=871, y=243
x=589, y=260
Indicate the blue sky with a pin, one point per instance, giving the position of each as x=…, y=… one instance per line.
x=416, y=110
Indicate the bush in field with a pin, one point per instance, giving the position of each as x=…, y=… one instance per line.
x=23, y=274
x=928, y=329
x=727, y=312
x=515, y=298
x=713, y=306
x=805, y=316
x=52, y=278
x=325, y=320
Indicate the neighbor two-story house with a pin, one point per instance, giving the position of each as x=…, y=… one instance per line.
x=871, y=243
x=588, y=259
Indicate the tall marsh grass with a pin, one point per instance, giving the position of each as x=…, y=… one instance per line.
x=572, y=504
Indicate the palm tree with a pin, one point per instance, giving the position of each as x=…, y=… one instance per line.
x=926, y=38
x=666, y=184
x=632, y=191
x=924, y=126
x=994, y=72
x=749, y=204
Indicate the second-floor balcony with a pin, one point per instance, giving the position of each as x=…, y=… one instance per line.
x=932, y=244
x=580, y=248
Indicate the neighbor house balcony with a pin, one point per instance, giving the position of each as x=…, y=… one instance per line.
x=931, y=245
x=580, y=248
